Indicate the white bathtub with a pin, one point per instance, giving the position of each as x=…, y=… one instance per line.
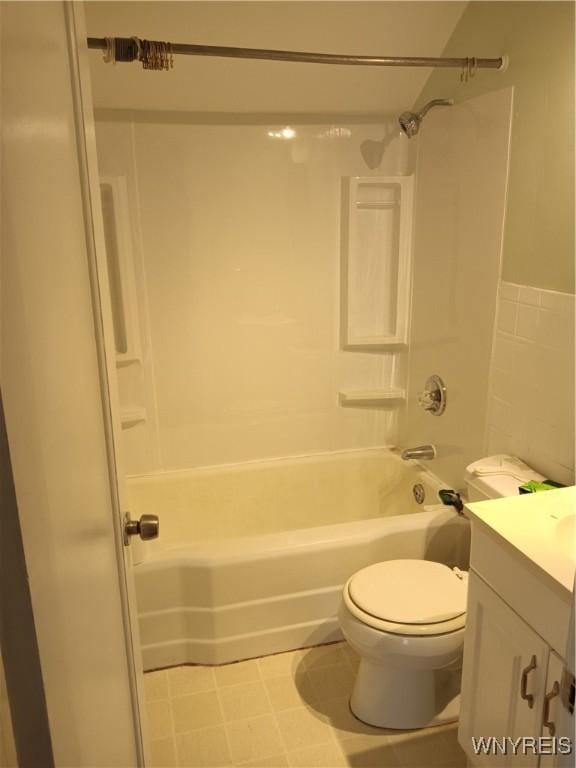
x=212, y=599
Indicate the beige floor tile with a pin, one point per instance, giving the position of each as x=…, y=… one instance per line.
x=429, y=747
x=333, y=682
x=302, y=727
x=198, y=710
x=159, y=719
x=276, y=761
x=190, y=679
x=323, y=656
x=243, y=701
x=372, y=752
x=204, y=748
x=156, y=685
x=254, y=739
x=326, y=755
x=241, y=672
x=280, y=663
x=290, y=691
x=163, y=753
x=343, y=722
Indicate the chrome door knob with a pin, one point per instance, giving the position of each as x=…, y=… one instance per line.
x=147, y=527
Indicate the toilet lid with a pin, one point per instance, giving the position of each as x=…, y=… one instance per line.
x=409, y=592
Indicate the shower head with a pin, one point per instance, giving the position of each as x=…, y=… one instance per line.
x=410, y=121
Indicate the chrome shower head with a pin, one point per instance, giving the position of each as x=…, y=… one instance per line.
x=410, y=121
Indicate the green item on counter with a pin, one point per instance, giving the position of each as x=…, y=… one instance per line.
x=534, y=486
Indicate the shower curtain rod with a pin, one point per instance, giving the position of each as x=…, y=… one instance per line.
x=135, y=49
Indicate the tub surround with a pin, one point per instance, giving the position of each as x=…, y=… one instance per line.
x=457, y=254
x=236, y=239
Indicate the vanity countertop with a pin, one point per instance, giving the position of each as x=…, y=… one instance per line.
x=541, y=527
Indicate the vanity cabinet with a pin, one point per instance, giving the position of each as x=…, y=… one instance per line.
x=504, y=665
x=520, y=601
x=509, y=682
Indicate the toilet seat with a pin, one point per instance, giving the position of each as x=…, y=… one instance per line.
x=408, y=597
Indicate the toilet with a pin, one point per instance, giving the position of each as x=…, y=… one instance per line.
x=406, y=620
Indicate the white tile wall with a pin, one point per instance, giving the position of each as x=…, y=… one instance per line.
x=531, y=410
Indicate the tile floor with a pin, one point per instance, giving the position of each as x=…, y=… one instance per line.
x=290, y=709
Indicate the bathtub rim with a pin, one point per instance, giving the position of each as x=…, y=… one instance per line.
x=266, y=546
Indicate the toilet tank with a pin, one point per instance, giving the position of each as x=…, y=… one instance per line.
x=497, y=476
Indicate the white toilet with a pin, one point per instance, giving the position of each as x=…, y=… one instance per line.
x=406, y=618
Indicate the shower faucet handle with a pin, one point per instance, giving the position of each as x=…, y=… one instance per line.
x=427, y=400
x=433, y=398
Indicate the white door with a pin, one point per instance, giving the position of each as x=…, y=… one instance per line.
x=57, y=395
x=504, y=665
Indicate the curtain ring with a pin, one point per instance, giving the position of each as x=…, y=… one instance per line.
x=472, y=66
x=138, y=43
x=108, y=52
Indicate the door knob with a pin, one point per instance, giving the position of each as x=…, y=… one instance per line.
x=147, y=527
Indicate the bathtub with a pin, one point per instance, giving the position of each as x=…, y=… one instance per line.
x=251, y=558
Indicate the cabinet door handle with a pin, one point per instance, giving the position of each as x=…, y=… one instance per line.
x=524, y=682
x=547, y=699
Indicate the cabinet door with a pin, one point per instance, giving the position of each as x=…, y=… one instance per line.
x=499, y=650
x=558, y=721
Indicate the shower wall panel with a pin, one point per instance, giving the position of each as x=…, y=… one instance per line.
x=461, y=187
x=237, y=242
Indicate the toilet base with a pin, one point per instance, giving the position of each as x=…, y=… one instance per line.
x=403, y=699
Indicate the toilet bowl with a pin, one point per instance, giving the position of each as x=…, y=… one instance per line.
x=405, y=619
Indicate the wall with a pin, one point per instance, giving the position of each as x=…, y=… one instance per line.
x=531, y=412
x=460, y=202
x=237, y=242
x=539, y=39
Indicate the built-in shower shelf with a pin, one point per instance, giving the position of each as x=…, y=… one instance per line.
x=376, y=205
x=382, y=343
x=372, y=396
x=124, y=360
x=129, y=417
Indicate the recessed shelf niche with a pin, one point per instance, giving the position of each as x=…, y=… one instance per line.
x=121, y=281
x=376, y=262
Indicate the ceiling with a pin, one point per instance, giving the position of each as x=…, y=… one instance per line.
x=241, y=86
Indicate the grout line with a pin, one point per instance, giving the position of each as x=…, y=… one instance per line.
x=273, y=711
x=223, y=715
x=172, y=721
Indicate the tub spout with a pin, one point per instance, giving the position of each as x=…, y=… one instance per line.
x=426, y=452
